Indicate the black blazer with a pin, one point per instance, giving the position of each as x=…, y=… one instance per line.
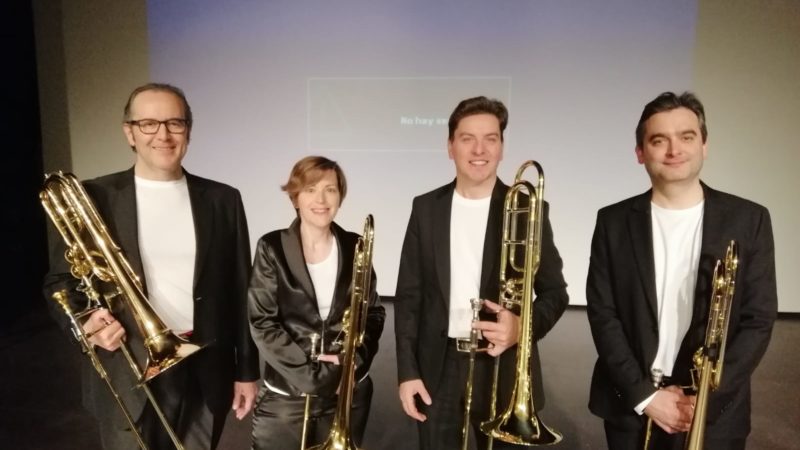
x=222, y=265
x=284, y=313
x=622, y=306
x=423, y=286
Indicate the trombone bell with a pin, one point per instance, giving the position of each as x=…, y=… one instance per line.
x=165, y=350
x=521, y=426
x=519, y=423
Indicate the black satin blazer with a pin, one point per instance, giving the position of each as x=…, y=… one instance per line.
x=283, y=311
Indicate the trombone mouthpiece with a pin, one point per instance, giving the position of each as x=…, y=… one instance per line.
x=60, y=297
x=656, y=376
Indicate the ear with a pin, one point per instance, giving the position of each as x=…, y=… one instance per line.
x=450, y=148
x=639, y=155
x=126, y=128
x=705, y=150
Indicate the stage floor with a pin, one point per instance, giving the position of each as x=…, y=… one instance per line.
x=40, y=391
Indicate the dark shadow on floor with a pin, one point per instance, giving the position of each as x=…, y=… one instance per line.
x=40, y=391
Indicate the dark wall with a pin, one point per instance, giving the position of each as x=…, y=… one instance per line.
x=24, y=242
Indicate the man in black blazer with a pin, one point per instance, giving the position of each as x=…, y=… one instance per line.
x=186, y=238
x=649, y=288
x=451, y=253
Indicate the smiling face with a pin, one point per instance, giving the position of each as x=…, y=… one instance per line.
x=672, y=149
x=159, y=155
x=476, y=149
x=318, y=203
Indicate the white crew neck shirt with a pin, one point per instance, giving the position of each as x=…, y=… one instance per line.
x=168, y=248
x=323, y=277
x=468, y=221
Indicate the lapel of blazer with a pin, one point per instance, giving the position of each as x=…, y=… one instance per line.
x=710, y=252
x=492, y=242
x=344, y=274
x=124, y=217
x=712, y=248
x=203, y=217
x=641, y=232
x=293, y=249
x=440, y=221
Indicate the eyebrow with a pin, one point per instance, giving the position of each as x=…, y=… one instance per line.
x=156, y=120
x=464, y=133
x=665, y=136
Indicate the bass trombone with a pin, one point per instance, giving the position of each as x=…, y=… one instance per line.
x=354, y=325
x=105, y=274
x=518, y=423
x=708, y=359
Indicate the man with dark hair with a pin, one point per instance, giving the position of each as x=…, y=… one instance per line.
x=649, y=288
x=186, y=238
x=451, y=254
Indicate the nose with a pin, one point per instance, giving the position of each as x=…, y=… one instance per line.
x=672, y=148
x=162, y=132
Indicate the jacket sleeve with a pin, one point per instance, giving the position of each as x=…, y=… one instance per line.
x=613, y=348
x=750, y=334
x=274, y=343
x=59, y=278
x=376, y=316
x=551, y=289
x=408, y=301
x=246, y=352
x=60, y=275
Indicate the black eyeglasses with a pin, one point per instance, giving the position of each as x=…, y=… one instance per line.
x=151, y=126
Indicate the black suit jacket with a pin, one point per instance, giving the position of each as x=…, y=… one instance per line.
x=284, y=313
x=622, y=306
x=222, y=267
x=423, y=287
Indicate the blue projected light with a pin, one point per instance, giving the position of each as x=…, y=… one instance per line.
x=371, y=85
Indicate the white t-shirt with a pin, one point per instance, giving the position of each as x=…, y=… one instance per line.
x=323, y=277
x=167, y=246
x=677, y=238
x=468, y=219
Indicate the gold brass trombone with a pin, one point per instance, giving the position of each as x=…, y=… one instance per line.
x=104, y=274
x=314, y=358
x=708, y=359
x=524, y=205
x=473, y=348
x=354, y=326
x=61, y=298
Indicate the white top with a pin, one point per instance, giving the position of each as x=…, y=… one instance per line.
x=323, y=277
x=468, y=220
x=677, y=238
x=167, y=246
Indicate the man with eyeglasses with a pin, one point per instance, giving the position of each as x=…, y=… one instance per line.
x=186, y=237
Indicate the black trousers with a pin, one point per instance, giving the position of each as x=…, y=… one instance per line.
x=443, y=430
x=180, y=398
x=278, y=419
x=621, y=439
